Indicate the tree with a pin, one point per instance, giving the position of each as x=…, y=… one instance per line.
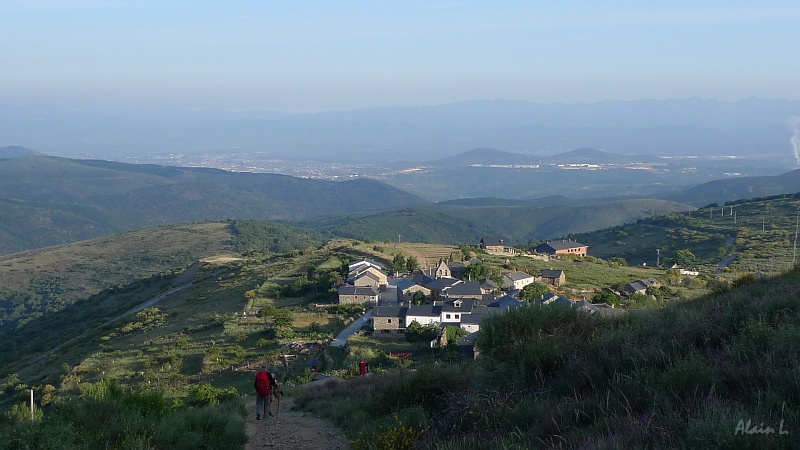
x=412, y=264
x=616, y=260
x=418, y=298
x=685, y=258
x=475, y=272
x=605, y=297
x=453, y=334
x=534, y=291
x=398, y=263
x=282, y=318
x=466, y=251
x=417, y=333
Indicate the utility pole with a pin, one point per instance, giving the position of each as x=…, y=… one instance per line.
x=658, y=257
x=398, y=238
x=794, y=250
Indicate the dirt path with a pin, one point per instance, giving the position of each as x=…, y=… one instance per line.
x=291, y=430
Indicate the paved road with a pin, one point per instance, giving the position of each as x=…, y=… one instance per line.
x=341, y=339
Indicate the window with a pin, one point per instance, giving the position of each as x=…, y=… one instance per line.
x=388, y=320
x=458, y=316
x=447, y=316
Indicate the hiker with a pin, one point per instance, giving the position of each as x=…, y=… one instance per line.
x=263, y=385
x=363, y=367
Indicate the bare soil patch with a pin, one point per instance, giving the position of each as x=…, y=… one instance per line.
x=294, y=430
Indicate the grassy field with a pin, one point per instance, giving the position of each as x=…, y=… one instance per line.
x=757, y=235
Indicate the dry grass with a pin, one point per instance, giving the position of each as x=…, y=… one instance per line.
x=87, y=267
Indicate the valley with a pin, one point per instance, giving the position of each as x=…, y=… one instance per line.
x=188, y=311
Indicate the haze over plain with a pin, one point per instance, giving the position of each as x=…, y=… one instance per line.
x=107, y=71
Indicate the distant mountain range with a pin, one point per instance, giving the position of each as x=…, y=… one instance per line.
x=670, y=127
x=581, y=173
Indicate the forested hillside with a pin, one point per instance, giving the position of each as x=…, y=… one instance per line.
x=467, y=222
x=49, y=201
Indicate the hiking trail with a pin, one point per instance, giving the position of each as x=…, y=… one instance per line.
x=287, y=429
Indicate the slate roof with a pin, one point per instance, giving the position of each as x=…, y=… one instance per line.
x=424, y=311
x=517, y=276
x=640, y=285
x=562, y=244
x=441, y=284
x=457, y=266
x=466, y=306
x=364, y=260
x=389, y=311
x=489, y=285
x=347, y=289
x=505, y=301
x=550, y=273
x=479, y=314
x=423, y=280
x=402, y=283
x=466, y=288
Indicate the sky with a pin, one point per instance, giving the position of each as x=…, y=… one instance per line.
x=304, y=56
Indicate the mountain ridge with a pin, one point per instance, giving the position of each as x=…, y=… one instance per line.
x=50, y=200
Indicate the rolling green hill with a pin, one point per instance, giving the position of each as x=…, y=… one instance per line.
x=750, y=235
x=38, y=282
x=48, y=201
x=455, y=223
x=733, y=189
x=16, y=151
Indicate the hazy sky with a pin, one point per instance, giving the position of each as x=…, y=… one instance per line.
x=320, y=55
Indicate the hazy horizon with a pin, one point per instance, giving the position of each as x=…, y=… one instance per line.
x=317, y=56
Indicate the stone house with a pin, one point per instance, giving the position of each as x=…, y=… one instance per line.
x=563, y=247
x=553, y=277
x=358, y=295
x=367, y=276
x=495, y=245
x=406, y=289
x=389, y=320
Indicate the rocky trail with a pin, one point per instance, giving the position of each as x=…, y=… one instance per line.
x=293, y=430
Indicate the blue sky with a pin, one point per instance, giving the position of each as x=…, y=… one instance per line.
x=313, y=55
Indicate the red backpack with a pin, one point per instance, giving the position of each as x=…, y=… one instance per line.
x=262, y=383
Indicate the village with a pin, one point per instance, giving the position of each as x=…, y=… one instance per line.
x=445, y=295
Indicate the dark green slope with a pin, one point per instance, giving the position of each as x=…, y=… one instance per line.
x=16, y=151
x=49, y=201
x=452, y=224
x=721, y=191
